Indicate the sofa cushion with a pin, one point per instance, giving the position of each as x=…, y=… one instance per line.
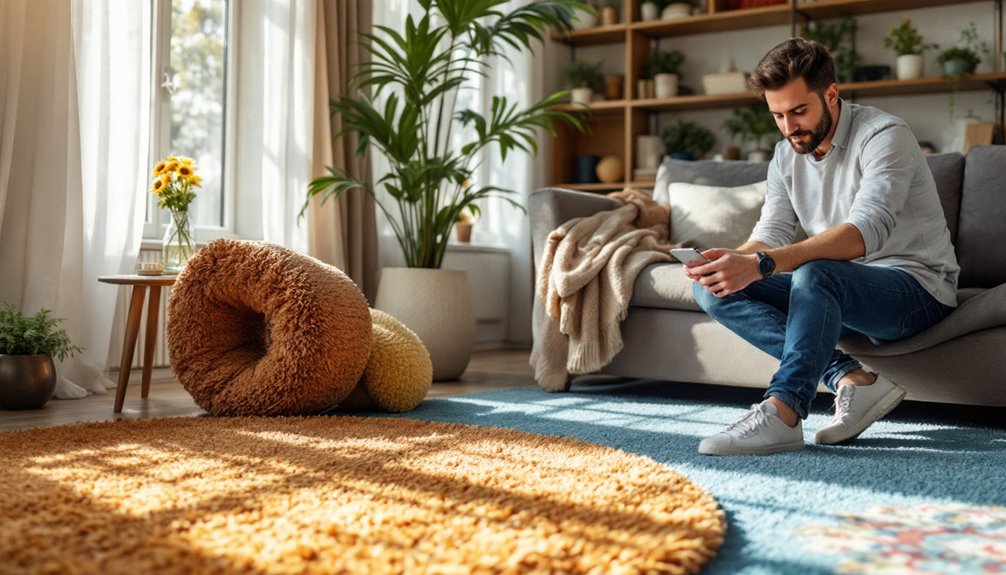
x=707, y=173
x=714, y=216
x=664, y=286
x=948, y=171
x=981, y=235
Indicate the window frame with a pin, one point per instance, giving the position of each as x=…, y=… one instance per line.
x=160, y=129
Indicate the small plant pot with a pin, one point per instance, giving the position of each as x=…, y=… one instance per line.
x=463, y=232
x=957, y=68
x=731, y=153
x=26, y=381
x=609, y=16
x=909, y=66
x=613, y=84
x=581, y=95
x=665, y=85
x=583, y=20
x=675, y=11
x=649, y=11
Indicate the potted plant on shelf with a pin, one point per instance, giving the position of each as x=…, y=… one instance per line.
x=909, y=45
x=664, y=67
x=583, y=78
x=411, y=121
x=27, y=346
x=686, y=140
x=753, y=124
x=464, y=222
x=963, y=58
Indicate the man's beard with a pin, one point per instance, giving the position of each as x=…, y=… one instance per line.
x=817, y=136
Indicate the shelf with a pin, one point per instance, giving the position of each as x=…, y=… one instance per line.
x=929, y=85
x=775, y=15
x=596, y=36
x=825, y=9
x=598, y=107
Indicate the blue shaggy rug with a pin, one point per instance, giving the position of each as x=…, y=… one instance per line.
x=920, y=492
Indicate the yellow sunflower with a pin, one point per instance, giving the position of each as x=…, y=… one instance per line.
x=194, y=180
x=185, y=170
x=159, y=184
x=160, y=167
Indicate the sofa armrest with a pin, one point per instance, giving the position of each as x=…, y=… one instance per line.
x=549, y=208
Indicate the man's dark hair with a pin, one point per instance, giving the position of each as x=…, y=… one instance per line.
x=794, y=58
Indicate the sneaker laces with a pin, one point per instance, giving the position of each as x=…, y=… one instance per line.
x=843, y=400
x=755, y=419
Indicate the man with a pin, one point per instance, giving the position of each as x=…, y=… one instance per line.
x=877, y=261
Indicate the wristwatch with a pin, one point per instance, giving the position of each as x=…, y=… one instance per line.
x=766, y=265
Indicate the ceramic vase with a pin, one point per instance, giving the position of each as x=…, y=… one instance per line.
x=436, y=304
x=909, y=66
x=665, y=85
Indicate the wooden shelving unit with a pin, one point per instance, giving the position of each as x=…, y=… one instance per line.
x=613, y=125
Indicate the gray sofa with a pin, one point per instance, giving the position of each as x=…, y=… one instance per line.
x=961, y=360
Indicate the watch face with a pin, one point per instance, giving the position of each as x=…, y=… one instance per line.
x=766, y=265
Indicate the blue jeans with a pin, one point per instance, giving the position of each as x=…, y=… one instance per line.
x=798, y=319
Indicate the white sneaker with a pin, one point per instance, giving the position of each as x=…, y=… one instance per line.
x=857, y=407
x=760, y=432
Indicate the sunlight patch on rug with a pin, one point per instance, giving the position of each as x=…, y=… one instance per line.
x=928, y=539
x=341, y=494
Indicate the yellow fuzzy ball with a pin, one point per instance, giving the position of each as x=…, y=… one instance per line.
x=399, y=372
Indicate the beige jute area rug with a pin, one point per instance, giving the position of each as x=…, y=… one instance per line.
x=340, y=495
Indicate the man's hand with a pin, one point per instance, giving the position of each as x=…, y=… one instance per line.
x=728, y=272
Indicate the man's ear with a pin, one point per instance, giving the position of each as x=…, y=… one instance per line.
x=831, y=95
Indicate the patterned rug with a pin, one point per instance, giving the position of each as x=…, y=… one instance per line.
x=340, y=495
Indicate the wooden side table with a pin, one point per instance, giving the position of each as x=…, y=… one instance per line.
x=140, y=285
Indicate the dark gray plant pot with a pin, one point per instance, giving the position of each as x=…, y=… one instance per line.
x=957, y=68
x=26, y=381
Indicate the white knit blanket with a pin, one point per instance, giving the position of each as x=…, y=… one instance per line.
x=587, y=272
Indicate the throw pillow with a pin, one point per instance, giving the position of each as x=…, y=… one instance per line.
x=713, y=216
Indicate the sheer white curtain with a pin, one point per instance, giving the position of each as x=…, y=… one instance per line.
x=520, y=79
x=74, y=95
x=275, y=116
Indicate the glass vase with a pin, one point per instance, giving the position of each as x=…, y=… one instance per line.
x=179, y=242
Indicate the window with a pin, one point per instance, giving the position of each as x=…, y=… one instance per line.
x=192, y=71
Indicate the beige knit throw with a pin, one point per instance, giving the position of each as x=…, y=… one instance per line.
x=585, y=280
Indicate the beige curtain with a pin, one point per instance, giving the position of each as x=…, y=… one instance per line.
x=342, y=233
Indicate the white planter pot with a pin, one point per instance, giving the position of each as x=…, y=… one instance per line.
x=909, y=66
x=649, y=11
x=582, y=20
x=581, y=95
x=648, y=151
x=665, y=85
x=437, y=306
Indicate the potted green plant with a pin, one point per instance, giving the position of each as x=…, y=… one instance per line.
x=686, y=140
x=664, y=68
x=27, y=346
x=583, y=78
x=909, y=46
x=753, y=124
x=963, y=58
x=409, y=118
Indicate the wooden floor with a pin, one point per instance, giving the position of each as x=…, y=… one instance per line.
x=488, y=370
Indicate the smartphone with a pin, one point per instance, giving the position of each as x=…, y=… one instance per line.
x=689, y=256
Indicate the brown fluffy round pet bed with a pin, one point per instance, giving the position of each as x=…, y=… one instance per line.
x=399, y=372
x=258, y=329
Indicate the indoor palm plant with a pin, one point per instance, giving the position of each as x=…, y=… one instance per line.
x=27, y=346
x=410, y=119
x=419, y=71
